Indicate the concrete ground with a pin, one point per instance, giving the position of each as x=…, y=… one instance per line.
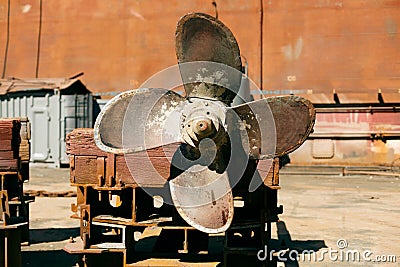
x=50, y=222
x=362, y=212
x=346, y=213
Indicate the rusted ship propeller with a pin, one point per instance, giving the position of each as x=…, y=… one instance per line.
x=217, y=139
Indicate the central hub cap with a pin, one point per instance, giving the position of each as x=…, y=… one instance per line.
x=202, y=125
x=201, y=119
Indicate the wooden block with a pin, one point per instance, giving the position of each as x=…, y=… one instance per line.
x=5, y=131
x=122, y=172
x=9, y=137
x=149, y=172
x=9, y=154
x=9, y=165
x=25, y=132
x=9, y=145
x=150, y=167
x=13, y=124
x=24, y=150
x=81, y=142
x=6, y=145
x=85, y=170
x=7, y=123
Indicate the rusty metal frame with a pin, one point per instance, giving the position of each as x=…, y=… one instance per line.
x=4, y=207
x=85, y=222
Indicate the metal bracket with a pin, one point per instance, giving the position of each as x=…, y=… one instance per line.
x=272, y=179
x=100, y=170
x=110, y=171
x=85, y=224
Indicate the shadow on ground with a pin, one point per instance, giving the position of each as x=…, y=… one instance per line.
x=60, y=258
x=285, y=243
x=47, y=244
x=52, y=234
x=51, y=258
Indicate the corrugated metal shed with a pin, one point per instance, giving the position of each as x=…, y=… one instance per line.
x=54, y=106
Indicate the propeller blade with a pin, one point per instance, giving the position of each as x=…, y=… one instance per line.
x=203, y=40
x=203, y=199
x=276, y=125
x=139, y=119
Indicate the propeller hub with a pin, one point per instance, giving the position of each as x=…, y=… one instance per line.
x=201, y=119
x=199, y=128
x=203, y=125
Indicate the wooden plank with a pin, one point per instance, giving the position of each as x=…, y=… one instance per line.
x=9, y=165
x=81, y=142
x=8, y=154
x=122, y=172
x=5, y=131
x=8, y=123
x=152, y=167
x=6, y=145
x=25, y=132
x=9, y=144
x=9, y=128
x=85, y=170
x=24, y=150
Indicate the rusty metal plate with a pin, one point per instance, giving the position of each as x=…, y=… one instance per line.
x=203, y=198
x=201, y=37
